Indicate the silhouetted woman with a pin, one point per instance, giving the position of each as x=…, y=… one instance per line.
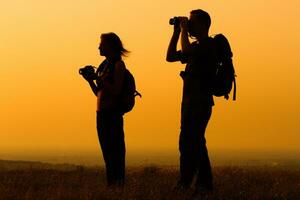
x=108, y=87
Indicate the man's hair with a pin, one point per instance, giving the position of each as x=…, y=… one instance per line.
x=116, y=43
x=203, y=17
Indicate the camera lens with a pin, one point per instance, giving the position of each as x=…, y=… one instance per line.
x=174, y=21
x=81, y=71
x=171, y=22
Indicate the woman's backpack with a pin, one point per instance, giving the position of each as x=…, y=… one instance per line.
x=128, y=94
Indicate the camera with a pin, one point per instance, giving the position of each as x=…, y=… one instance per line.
x=174, y=21
x=88, y=71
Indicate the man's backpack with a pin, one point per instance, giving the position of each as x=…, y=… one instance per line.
x=225, y=74
x=128, y=94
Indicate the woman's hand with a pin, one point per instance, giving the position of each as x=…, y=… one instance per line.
x=88, y=77
x=88, y=73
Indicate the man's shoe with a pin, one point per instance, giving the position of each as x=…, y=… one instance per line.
x=181, y=187
x=203, y=190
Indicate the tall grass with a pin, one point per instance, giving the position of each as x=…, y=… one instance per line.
x=145, y=183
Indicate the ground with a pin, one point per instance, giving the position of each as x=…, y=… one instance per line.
x=25, y=180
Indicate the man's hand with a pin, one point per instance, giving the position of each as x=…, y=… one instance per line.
x=183, y=23
x=186, y=47
x=177, y=28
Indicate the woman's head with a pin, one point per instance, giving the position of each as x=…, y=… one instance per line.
x=111, y=46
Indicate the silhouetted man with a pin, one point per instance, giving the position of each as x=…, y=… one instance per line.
x=197, y=100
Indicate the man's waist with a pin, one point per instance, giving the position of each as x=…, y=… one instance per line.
x=197, y=99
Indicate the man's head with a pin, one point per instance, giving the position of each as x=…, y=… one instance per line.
x=199, y=23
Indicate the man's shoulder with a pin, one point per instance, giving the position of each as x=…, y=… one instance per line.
x=208, y=46
x=208, y=42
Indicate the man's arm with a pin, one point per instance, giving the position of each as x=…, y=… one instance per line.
x=172, y=54
x=186, y=46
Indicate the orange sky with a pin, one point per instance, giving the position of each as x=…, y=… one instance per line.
x=45, y=105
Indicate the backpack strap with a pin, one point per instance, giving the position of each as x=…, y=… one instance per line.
x=136, y=93
x=100, y=68
x=106, y=67
x=226, y=96
x=234, y=89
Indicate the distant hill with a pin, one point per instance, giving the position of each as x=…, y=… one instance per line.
x=7, y=165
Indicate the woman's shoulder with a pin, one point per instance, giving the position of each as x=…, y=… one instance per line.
x=120, y=64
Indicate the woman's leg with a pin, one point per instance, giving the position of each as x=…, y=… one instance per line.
x=104, y=136
x=118, y=148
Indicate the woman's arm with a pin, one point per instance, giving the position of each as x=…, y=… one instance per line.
x=91, y=82
x=94, y=87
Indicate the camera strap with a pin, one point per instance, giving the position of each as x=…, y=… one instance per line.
x=106, y=68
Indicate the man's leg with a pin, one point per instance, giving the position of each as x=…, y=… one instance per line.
x=204, y=178
x=187, y=164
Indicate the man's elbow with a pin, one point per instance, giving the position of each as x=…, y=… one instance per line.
x=188, y=50
x=96, y=93
x=170, y=59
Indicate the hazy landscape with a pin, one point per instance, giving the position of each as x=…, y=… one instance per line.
x=266, y=177
x=227, y=157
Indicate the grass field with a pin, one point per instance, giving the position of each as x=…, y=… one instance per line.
x=25, y=180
